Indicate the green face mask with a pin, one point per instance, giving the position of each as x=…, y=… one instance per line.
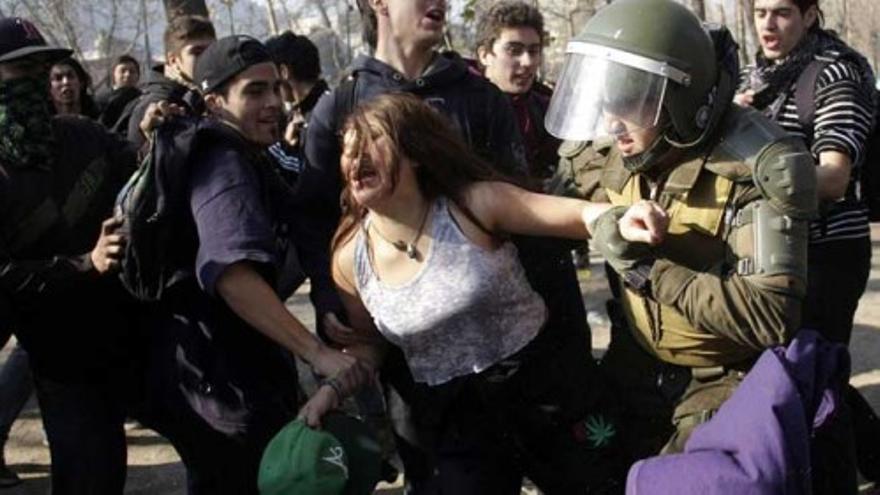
x=25, y=123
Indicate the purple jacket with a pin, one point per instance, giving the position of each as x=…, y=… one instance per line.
x=758, y=442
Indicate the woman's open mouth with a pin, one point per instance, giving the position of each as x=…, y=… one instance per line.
x=436, y=15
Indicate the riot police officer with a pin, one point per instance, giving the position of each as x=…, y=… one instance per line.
x=728, y=280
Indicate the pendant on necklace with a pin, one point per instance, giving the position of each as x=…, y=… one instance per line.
x=406, y=247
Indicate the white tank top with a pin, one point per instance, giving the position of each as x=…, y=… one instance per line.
x=466, y=309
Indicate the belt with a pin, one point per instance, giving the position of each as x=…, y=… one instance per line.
x=709, y=373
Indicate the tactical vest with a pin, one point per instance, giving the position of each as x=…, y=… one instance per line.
x=725, y=222
x=697, y=201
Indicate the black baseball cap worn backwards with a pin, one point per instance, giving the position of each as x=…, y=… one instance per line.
x=19, y=38
x=226, y=58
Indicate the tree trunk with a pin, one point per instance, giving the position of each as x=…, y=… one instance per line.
x=175, y=8
x=750, y=41
x=273, y=21
x=699, y=7
x=322, y=11
x=741, y=28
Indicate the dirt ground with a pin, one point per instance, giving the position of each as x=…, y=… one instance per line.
x=155, y=469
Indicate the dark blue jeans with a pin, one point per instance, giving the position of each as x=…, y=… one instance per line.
x=16, y=387
x=524, y=417
x=84, y=426
x=218, y=416
x=837, y=278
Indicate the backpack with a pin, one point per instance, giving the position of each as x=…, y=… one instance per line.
x=151, y=205
x=868, y=180
x=154, y=204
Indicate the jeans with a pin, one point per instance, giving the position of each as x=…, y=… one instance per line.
x=84, y=425
x=837, y=277
x=218, y=416
x=838, y=274
x=16, y=387
x=542, y=413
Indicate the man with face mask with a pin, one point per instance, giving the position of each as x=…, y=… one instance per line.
x=728, y=280
x=58, y=182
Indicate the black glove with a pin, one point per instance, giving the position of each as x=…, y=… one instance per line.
x=620, y=253
x=632, y=260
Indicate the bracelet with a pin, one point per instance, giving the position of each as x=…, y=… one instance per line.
x=334, y=384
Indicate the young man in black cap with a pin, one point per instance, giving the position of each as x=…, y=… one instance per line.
x=58, y=181
x=225, y=384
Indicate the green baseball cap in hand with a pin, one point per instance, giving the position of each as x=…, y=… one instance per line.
x=342, y=458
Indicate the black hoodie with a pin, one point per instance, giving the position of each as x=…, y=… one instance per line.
x=158, y=87
x=479, y=109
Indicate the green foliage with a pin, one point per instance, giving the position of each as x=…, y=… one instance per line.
x=469, y=13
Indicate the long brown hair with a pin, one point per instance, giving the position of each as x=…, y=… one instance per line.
x=444, y=163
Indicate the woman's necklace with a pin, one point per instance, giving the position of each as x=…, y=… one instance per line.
x=406, y=247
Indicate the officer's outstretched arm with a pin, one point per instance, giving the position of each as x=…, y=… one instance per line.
x=755, y=300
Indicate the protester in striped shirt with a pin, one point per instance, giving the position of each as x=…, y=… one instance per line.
x=835, y=124
x=791, y=40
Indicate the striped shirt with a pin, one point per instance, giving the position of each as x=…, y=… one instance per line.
x=285, y=160
x=843, y=122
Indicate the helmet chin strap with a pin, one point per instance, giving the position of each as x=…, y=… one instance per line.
x=656, y=152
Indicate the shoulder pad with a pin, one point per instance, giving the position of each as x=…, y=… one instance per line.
x=744, y=134
x=571, y=149
x=786, y=175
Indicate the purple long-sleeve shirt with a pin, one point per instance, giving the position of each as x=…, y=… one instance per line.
x=758, y=442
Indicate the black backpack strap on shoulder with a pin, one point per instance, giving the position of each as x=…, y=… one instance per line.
x=345, y=98
x=121, y=124
x=805, y=93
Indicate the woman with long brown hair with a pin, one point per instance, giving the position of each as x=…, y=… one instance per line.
x=422, y=262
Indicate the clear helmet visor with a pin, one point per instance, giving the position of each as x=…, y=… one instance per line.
x=599, y=97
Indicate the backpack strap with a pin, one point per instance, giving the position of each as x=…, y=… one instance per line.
x=121, y=124
x=344, y=100
x=805, y=92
